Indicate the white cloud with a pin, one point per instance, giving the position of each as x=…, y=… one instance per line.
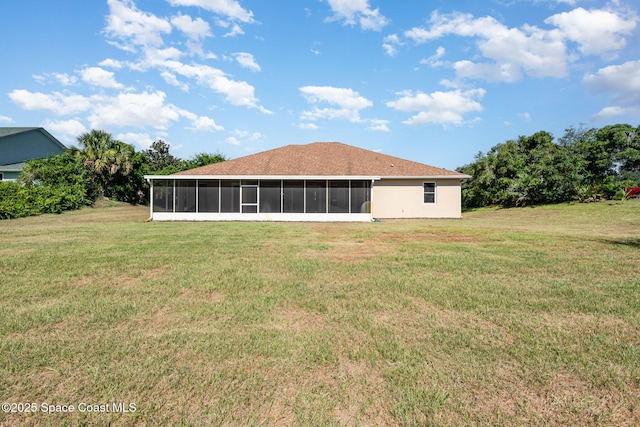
x=608, y=113
x=236, y=30
x=251, y=136
x=438, y=107
x=513, y=51
x=171, y=79
x=154, y=57
x=506, y=72
x=236, y=92
x=525, y=116
x=622, y=82
x=242, y=138
x=348, y=101
x=357, y=12
x=434, y=60
x=221, y=23
x=141, y=140
x=510, y=53
x=228, y=8
x=56, y=102
x=71, y=128
x=40, y=78
x=111, y=63
x=195, y=29
x=246, y=60
x=205, y=124
x=331, y=114
x=390, y=44
x=134, y=27
x=233, y=141
x=5, y=119
x=65, y=79
x=133, y=109
x=144, y=109
x=379, y=125
x=597, y=32
x=97, y=76
x=308, y=126
x=346, y=98
x=143, y=31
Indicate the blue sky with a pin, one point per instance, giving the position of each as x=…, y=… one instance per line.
x=435, y=82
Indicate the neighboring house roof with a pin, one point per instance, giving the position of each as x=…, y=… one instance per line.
x=322, y=159
x=19, y=144
x=15, y=167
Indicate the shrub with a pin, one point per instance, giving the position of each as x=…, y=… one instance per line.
x=50, y=185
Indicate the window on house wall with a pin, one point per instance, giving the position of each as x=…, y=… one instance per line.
x=316, y=197
x=1, y=177
x=293, y=196
x=429, y=192
x=185, y=195
x=360, y=196
x=209, y=196
x=163, y=195
x=229, y=196
x=338, y=196
x=270, y=196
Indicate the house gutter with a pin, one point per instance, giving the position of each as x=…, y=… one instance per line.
x=265, y=177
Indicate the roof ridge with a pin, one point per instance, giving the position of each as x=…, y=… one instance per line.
x=322, y=159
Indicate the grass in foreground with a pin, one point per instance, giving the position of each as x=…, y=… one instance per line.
x=515, y=316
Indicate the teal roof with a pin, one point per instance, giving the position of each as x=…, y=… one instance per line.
x=15, y=167
x=20, y=144
x=10, y=131
x=13, y=131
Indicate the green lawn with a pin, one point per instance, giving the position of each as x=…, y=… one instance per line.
x=506, y=317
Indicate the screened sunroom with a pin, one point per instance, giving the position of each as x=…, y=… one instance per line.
x=315, y=199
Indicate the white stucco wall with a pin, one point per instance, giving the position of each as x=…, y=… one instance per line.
x=404, y=198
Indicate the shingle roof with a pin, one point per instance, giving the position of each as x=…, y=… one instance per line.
x=321, y=159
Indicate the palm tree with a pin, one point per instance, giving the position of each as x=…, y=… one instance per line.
x=106, y=156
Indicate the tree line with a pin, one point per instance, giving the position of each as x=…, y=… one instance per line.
x=101, y=166
x=582, y=165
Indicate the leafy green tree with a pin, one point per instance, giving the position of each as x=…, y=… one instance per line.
x=111, y=160
x=612, y=158
x=608, y=151
x=104, y=154
x=132, y=187
x=50, y=185
x=159, y=158
x=64, y=170
x=202, y=159
x=530, y=170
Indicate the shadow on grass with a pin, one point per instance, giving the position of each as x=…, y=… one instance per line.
x=632, y=242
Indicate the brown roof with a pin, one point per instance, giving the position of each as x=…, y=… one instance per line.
x=321, y=159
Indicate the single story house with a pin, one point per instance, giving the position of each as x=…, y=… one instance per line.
x=322, y=181
x=20, y=144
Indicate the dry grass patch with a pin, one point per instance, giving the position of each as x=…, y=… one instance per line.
x=296, y=320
